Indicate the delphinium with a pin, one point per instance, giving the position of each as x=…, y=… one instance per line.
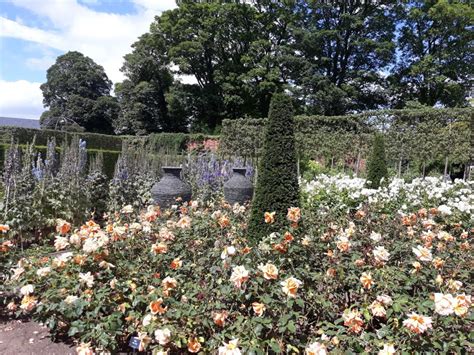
x=135, y=173
x=17, y=206
x=207, y=173
x=97, y=186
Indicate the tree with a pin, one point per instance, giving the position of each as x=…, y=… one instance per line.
x=343, y=49
x=142, y=95
x=277, y=181
x=77, y=93
x=208, y=40
x=436, y=61
x=377, y=165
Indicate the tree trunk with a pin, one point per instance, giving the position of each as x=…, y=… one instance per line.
x=445, y=168
x=357, y=164
x=424, y=169
x=399, y=168
x=298, y=166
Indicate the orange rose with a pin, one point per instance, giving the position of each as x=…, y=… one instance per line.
x=159, y=248
x=220, y=317
x=4, y=228
x=282, y=248
x=62, y=226
x=245, y=250
x=176, y=264
x=194, y=345
x=224, y=221
x=270, y=272
x=366, y=280
x=294, y=214
x=288, y=237
x=157, y=307
x=269, y=217
x=258, y=308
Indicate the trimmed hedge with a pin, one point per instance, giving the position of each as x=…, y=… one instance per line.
x=110, y=157
x=26, y=135
x=410, y=135
x=173, y=142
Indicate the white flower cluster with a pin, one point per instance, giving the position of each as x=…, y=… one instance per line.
x=341, y=192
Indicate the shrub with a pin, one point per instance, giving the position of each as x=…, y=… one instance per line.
x=277, y=180
x=377, y=165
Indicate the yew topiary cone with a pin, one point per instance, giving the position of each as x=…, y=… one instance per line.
x=277, y=180
x=377, y=166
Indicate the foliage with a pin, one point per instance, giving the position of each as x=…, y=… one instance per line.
x=40, y=189
x=135, y=173
x=412, y=137
x=350, y=283
x=343, y=49
x=435, y=64
x=277, y=181
x=377, y=165
x=77, y=93
x=142, y=96
x=332, y=58
x=41, y=137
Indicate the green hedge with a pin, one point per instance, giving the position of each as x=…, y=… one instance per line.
x=173, y=142
x=410, y=135
x=26, y=135
x=110, y=157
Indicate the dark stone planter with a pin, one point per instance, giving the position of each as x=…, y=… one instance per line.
x=170, y=187
x=238, y=188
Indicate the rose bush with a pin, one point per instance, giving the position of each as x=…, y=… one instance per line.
x=378, y=275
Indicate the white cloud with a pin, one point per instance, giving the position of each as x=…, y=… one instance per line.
x=105, y=37
x=20, y=98
x=41, y=63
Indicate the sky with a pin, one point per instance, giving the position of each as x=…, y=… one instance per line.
x=33, y=33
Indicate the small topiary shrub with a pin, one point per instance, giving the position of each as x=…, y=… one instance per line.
x=377, y=165
x=277, y=180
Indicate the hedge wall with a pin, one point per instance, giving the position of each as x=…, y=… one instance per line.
x=26, y=135
x=110, y=157
x=164, y=144
x=421, y=135
x=174, y=142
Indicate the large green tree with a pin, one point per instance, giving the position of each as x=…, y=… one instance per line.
x=436, y=57
x=208, y=41
x=343, y=49
x=142, y=95
x=77, y=93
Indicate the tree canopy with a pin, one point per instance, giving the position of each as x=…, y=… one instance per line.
x=77, y=93
x=208, y=60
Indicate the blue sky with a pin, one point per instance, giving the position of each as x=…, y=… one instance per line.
x=34, y=32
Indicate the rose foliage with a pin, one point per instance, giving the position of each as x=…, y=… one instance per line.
x=372, y=271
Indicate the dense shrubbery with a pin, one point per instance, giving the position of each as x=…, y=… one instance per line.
x=277, y=181
x=377, y=269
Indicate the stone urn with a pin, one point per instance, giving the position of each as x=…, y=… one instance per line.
x=238, y=188
x=170, y=187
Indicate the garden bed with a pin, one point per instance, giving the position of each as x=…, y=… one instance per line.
x=360, y=270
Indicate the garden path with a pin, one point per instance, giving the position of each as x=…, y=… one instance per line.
x=24, y=337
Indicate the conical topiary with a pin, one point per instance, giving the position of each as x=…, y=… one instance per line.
x=377, y=165
x=277, y=179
